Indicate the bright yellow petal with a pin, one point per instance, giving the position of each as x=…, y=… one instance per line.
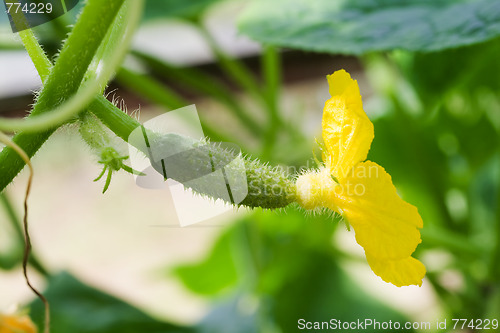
x=386, y=226
x=347, y=131
x=16, y=324
x=340, y=82
x=400, y=273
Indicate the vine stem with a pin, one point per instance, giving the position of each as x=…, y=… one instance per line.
x=27, y=241
x=75, y=58
x=35, y=52
x=92, y=86
x=123, y=125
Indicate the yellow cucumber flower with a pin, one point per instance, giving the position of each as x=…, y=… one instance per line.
x=16, y=324
x=361, y=191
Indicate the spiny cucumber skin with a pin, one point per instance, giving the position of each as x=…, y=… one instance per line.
x=193, y=163
x=92, y=132
x=267, y=186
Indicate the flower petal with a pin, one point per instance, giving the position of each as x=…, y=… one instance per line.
x=386, y=226
x=400, y=273
x=341, y=83
x=347, y=131
x=16, y=324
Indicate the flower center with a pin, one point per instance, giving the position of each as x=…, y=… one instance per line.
x=315, y=189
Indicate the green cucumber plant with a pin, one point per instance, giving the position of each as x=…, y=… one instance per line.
x=103, y=31
x=72, y=92
x=59, y=101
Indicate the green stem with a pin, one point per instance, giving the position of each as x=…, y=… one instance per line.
x=115, y=119
x=271, y=71
x=203, y=83
x=7, y=45
x=262, y=180
x=16, y=224
x=75, y=57
x=36, y=53
x=272, y=76
x=106, y=59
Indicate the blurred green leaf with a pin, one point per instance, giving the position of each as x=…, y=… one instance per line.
x=78, y=308
x=408, y=150
x=360, y=26
x=288, y=270
x=214, y=274
x=322, y=291
x=300, y=274
x=484, y=194
x=186, y=9
x=467, y=68
x=11, y=259
x=476, y=138
x=283, y=244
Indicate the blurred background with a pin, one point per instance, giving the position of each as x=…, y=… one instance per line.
x=256, y=71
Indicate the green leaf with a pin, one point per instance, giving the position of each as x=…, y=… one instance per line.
x=191, y=9
x=322, y=291
x=78, y=308
x=299, y=274
x=287, y=270
x=466, y=68
x=11, y=259
x=360, y=26
x=212, y=275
